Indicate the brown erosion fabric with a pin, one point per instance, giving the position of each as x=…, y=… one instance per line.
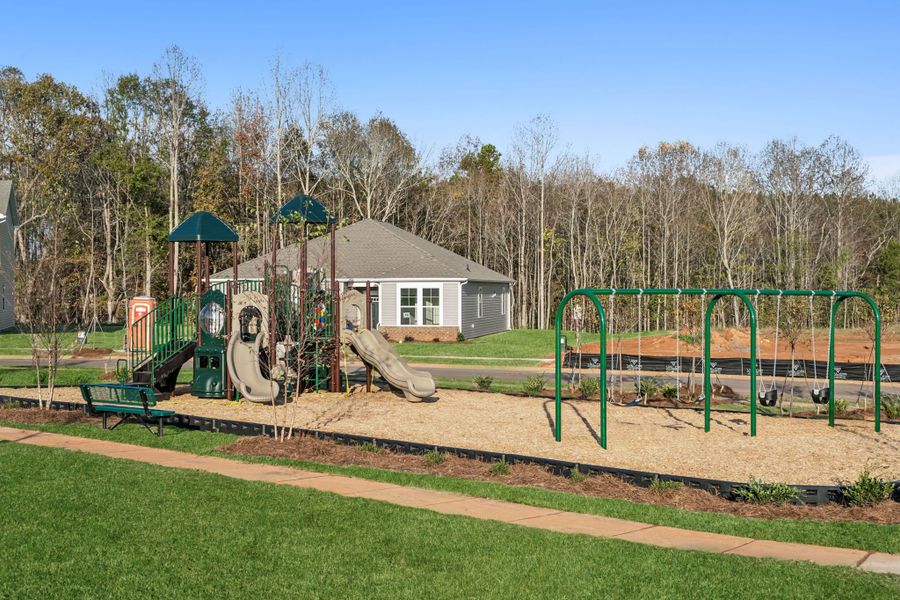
x=851, y=345
x=797, y=451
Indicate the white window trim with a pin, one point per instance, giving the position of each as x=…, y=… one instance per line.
x=479, y=303
x=420, y=309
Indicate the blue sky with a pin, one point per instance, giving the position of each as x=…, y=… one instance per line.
x=614, y=76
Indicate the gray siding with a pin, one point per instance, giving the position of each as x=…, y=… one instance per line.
x=7, y=277
x=450, y=303
x=493, y=319
x=387, y=300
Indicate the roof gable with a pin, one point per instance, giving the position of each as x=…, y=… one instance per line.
x=374, y=250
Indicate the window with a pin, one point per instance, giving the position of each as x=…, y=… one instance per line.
x=480, y=302
x=503, y=302
x=431, y=306
x=409, y=300
x=420, y=305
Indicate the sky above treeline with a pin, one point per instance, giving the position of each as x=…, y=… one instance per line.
x=613, y=75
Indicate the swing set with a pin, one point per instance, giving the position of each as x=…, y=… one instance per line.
x=765, y=396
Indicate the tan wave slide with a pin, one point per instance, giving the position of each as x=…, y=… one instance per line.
x=377, y=352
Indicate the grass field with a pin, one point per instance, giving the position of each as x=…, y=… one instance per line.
x=11, y=376
x=517, y=347
x=77, y=525
x=112, y=337
x=864, y=536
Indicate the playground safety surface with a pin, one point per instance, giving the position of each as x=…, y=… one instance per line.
x=798, y=451
x=478, y=508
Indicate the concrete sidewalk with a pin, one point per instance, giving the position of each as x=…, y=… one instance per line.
x=478, y=508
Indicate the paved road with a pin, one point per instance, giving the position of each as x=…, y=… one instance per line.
x=741, y=385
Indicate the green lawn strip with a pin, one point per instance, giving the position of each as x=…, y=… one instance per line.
x=78, y=525
x=68, y=376
x=516, y=343
x=844, y=534
x=107, y=336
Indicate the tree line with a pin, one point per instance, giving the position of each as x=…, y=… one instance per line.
x=101, y=178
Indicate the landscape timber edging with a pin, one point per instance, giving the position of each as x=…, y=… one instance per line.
x=806, y=494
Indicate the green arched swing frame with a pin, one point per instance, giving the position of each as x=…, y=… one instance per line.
x=594, y=294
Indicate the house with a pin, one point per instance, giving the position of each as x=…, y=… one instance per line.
x=419, y=290
x=7, y=256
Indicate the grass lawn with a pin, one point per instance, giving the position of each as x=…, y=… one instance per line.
x=526, y=346
x=864, y=536
x=14, y=343
x=77, y=525
x=65, y=375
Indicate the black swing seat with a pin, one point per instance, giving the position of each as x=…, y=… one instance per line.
x=768, y=398
x=820, y=396
x=125, y=401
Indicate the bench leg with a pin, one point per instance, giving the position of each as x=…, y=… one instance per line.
x=159, y=427
x=104, y=420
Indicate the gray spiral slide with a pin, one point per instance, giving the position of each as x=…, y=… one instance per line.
x=378, y=353
x=242, y=357
x=243, y=366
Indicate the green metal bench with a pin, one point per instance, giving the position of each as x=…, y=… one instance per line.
x=125, y=401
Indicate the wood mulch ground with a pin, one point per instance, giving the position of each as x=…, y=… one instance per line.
x=660, y=440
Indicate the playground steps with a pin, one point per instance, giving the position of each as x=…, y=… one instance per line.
x=161, y=342
x=162, y=372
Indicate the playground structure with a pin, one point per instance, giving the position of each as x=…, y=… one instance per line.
x=767, y=397
x=258, y=339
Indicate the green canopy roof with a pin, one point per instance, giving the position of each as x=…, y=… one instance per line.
x=304, y=208
x=203, y=226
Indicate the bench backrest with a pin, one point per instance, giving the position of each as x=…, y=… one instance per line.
x=118, y=394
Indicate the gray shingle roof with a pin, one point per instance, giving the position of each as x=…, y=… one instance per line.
x=374, y=250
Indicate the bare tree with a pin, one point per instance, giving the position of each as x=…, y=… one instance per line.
x=176, y=84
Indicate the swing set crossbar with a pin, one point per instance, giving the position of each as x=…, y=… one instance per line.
x=716, y=294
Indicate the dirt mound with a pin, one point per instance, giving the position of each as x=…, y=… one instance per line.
x=36, y=416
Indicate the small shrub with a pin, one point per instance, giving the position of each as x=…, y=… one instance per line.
x=576, y=476
x=646, y=387
x=534, y=385
x=436, y=339
x=434, y=458
x=665, y=486
x=483, y=382
x=840, y=407
x=669, y=391
x=500, y=468
x=891, y=408
x=408, y=338
x=759, y=492
x=371, y=447
x=868, y=490
x=588, y=387
x=460, y=337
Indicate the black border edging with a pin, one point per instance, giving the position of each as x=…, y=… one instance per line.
x=807, y=494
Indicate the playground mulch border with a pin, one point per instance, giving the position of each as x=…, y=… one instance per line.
x=603, y=486
x=337, y=452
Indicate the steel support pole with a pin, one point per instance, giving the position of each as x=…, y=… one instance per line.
x=199, y=248
x=335, y=315
x=558, y=370
x=368, y=326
